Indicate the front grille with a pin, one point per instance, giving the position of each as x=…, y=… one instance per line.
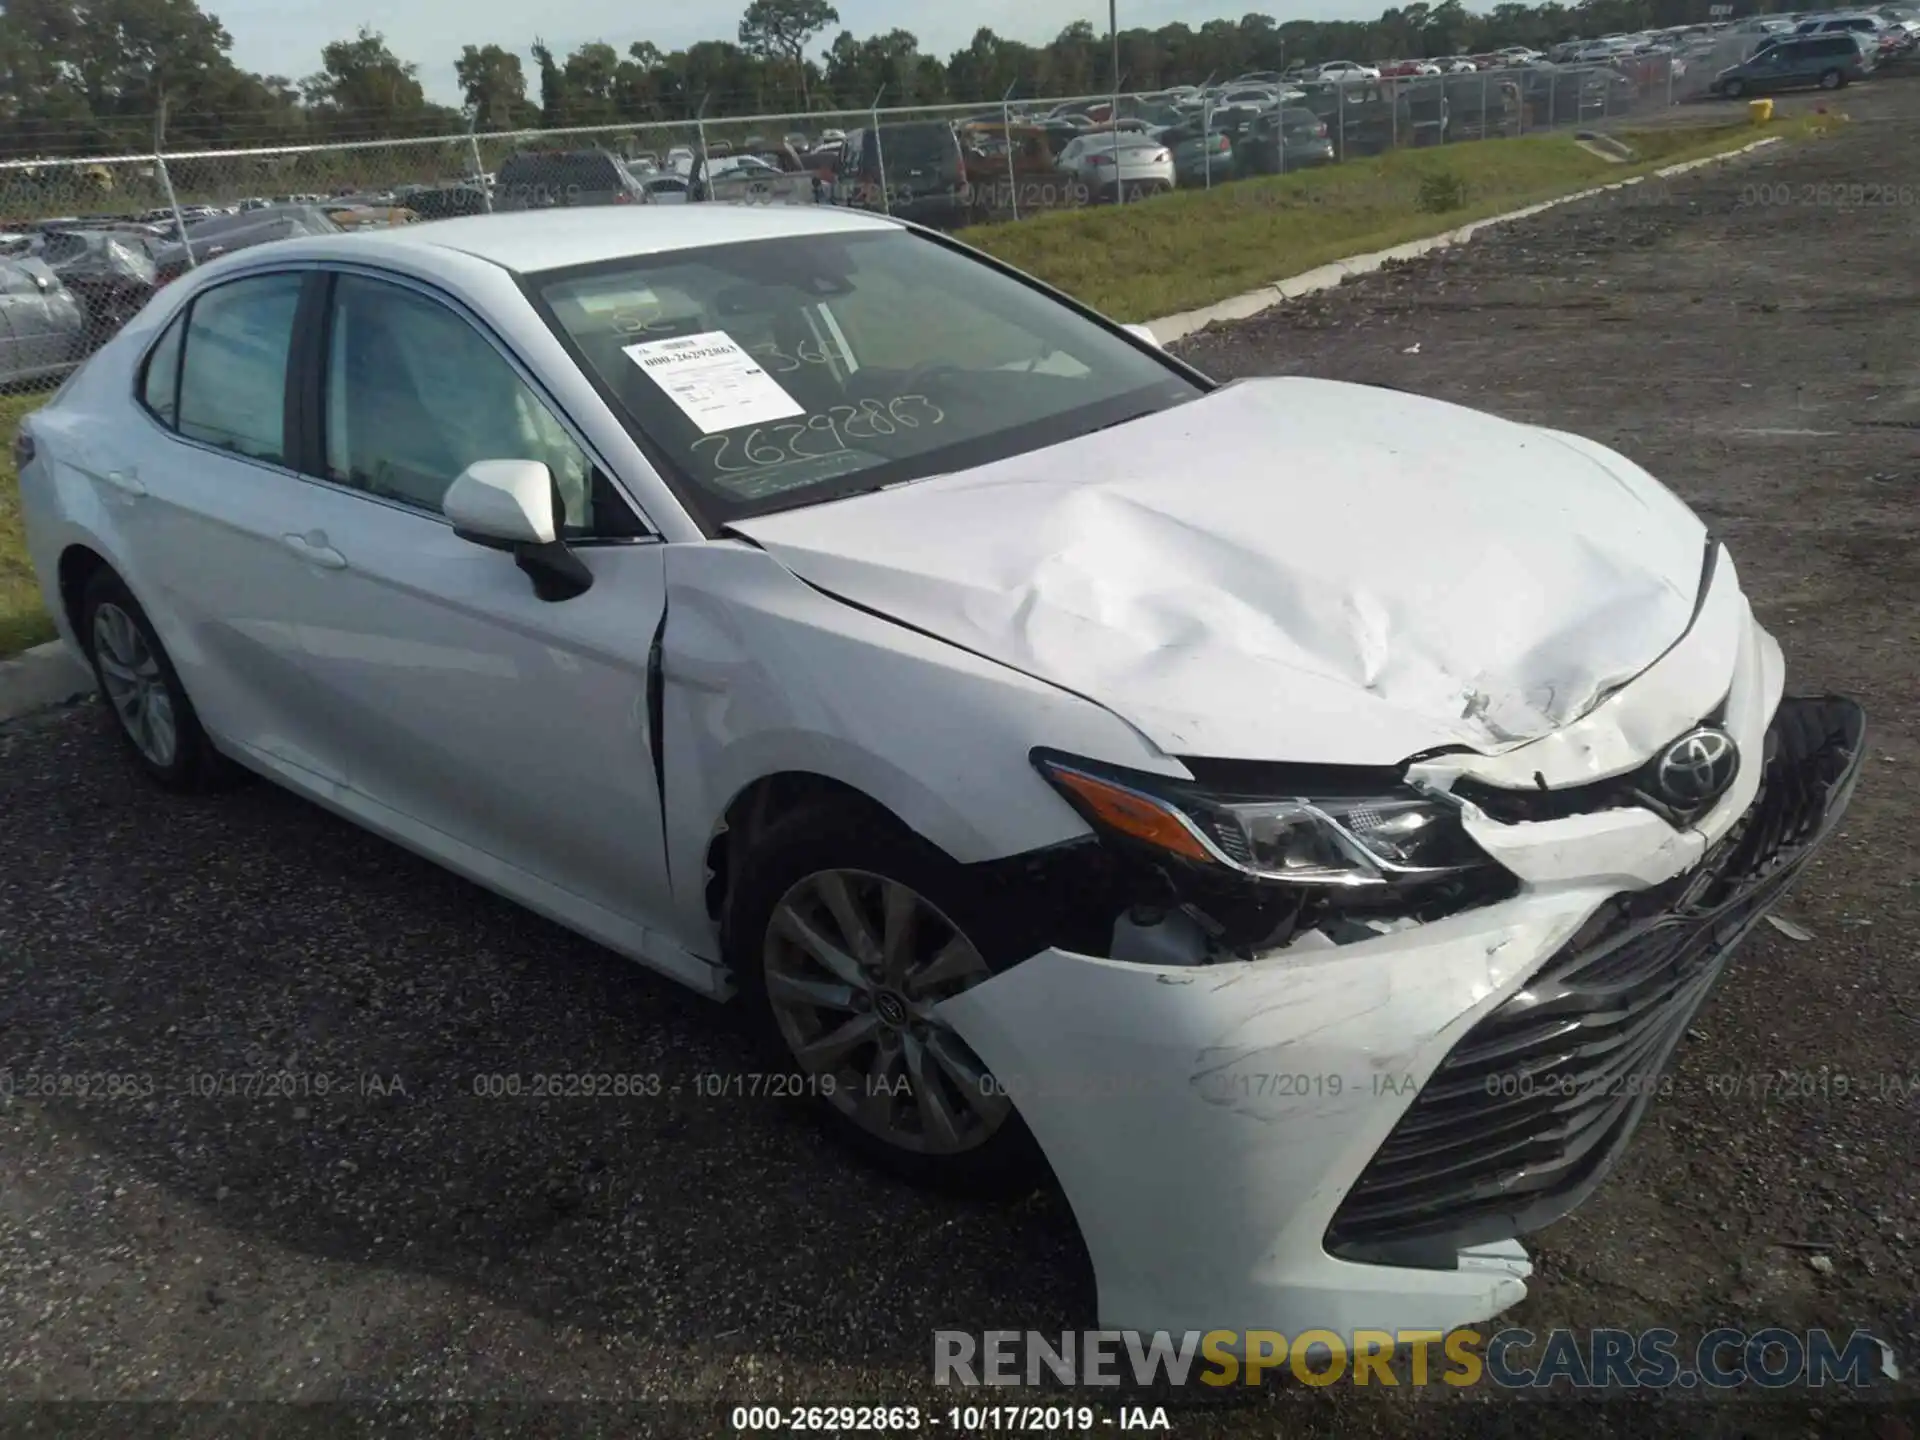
x=1619, y=792
x=1533, y=1106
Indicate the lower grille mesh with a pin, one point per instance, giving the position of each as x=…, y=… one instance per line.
x=1536, y=1102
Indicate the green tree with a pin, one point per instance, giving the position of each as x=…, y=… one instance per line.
x=780, y=30
x=494, y=87
x=364, y=90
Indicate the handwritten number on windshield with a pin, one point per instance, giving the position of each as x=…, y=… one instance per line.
x=765, y=447
x=781, y=363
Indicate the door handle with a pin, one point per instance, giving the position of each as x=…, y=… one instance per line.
x=315, y=551
x=128, y=482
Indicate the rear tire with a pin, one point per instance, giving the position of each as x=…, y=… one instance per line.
x=1831, y=79
x=805, y=935
x=151, y=711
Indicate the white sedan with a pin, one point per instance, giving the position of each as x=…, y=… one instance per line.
x=1052, y=757
x=1125, y=164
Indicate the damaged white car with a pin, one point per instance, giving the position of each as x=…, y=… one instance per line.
x=1304, y=816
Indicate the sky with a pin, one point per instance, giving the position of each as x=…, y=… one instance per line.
x=284, y=37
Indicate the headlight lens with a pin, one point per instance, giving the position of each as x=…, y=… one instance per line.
x=1301, y=840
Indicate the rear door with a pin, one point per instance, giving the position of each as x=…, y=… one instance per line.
x=213, y=516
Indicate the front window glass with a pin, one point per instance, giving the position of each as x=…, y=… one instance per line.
x=415, y=395
x=771, y=374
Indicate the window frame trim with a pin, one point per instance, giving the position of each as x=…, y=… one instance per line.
x=311, y=378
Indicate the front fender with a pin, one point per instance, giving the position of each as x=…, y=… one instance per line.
x=763, y=674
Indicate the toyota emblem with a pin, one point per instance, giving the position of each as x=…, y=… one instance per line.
x=1697, y=767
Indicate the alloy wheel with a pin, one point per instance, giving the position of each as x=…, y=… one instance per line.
x=130, y=673
x=856, y=965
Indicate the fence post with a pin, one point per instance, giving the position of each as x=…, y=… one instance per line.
x=1393, y=111
x=1340, y=115
x=1669, y=82
x=479, y=170
x=700, y=133
x=1006, y=127
x=880, y=150
x=1206, y=135
x=166, y=182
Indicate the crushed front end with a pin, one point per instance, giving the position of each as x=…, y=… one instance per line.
x=1338, y=1105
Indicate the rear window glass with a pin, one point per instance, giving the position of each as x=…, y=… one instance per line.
x=918, y=145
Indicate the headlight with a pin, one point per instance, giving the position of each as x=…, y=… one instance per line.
x=1355, y=839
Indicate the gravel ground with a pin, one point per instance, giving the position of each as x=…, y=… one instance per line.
x=402, y=1240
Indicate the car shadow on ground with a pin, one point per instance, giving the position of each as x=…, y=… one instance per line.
x=252, y=946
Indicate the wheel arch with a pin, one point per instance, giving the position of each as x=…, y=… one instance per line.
x=77, y=566
x=762, y=802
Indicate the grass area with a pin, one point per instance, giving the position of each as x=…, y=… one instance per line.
x=22, y=621
x=1194, y=247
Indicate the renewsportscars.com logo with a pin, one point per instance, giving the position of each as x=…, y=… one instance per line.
x=1513, y=1359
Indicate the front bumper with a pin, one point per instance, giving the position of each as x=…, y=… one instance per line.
x=1352, y=1137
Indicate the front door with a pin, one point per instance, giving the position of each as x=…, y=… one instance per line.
x=453, y=696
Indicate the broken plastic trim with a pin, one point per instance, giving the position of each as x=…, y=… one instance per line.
x=1633, y=790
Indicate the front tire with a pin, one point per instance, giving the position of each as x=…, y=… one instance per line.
x=1734, y=89
x=1831, y=79
x=845, y=931
x=151, y=710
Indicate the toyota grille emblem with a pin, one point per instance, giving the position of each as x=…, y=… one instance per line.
x=1696, y=768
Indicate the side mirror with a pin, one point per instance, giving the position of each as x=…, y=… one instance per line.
x=1142, y=332
x=515, y=506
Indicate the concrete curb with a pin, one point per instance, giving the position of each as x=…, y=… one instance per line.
x=48, y=674
x=1325, y=277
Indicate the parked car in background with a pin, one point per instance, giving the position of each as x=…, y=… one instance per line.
x=1796, y=63
x=1116, y=164
x=1293, y=138
x=43, y=325
x=915, y=169
x=770, y=175
x=1344, y=70
x=370, y=217
x=224, y=234
x=110, y=273
x=1252, y=97
x=1015, y=167
x=443, y=202
x=1201, y=158
x=545, y=179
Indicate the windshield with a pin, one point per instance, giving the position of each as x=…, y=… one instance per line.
x=772, y=374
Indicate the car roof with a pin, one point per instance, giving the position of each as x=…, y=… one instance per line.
x=530, y=240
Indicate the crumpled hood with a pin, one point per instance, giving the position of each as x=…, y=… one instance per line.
x=1286, y=569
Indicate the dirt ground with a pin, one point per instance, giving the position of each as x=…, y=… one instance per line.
x=1751, y=334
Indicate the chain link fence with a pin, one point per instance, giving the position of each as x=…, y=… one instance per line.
x=84, y=242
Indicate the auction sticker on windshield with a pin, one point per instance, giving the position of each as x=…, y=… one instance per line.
x=716, y=384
